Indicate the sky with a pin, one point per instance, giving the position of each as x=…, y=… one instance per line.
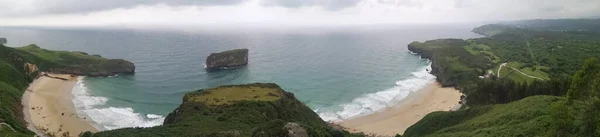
x=90, y=13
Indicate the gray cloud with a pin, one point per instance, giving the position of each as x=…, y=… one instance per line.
x=328, y=4
x=463, y=10
x=36, y=7
x=69, y=6
x=86, y=6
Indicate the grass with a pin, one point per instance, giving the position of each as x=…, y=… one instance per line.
x=456, y=64
x=517, y=77
x=64, y=57
x=484, y=50
x=526, y=117
x=529, y=70
x=235, y=51
x=7, y=132
x=13, y=82
x=229, y=95
x=536, y=71
x=78, y=63
x=240, y=116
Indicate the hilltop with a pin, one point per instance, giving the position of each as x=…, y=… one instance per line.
x=260, y=109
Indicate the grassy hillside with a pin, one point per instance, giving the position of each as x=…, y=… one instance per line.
x=18, y=68
x=263, y=110
x=452, y=63
x=527, y=117
x=528, y=59
x=79, y=63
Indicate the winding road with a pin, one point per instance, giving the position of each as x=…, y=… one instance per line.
x=525, y=74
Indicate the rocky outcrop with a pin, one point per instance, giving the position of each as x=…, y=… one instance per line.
x=295, y=130
x=227, y=59
x=30, y=68
x=3, y=41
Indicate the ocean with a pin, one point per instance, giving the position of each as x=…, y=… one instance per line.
x=338, y=72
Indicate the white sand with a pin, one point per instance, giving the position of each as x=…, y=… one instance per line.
x=396, y=119
x=48, y=107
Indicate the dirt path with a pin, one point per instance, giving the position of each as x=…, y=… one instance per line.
x=500, y=68
x=525, y=74
x=4, y=124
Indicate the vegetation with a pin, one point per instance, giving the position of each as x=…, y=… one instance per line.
x=451, y=62
x=526, y=78
x=79, y=63
x=540, y=90
x=18, y=68
x=528, y=117
x=229, y=95
x=264, y=112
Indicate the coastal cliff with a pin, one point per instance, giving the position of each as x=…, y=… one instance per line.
x=259, y=109
x=19, y=67
x=76, y=63
x=450, y=62
x=227, y=59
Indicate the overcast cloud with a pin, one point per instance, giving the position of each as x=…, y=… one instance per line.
x=283, y=12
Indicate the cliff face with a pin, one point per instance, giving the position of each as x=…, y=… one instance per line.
x=227, y=59
x=260, y=110
x=437, y=52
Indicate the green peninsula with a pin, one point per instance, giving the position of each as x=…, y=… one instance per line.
x=525, y=78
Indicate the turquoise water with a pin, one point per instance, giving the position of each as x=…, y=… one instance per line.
x=340, y=73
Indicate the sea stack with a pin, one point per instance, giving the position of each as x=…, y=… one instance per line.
x=227, y=59
x=3, y=41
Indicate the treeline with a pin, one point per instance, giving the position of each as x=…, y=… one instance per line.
x=562, y=52
x=500, y=91
x=579, y=114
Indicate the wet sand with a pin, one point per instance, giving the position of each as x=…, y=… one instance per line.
x=49, y=109
x=396, y=119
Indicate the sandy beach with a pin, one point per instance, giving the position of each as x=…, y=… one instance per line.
x=48, y=107
x=396, y=119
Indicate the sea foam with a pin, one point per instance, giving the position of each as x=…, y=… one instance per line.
x=106, y=117
x=373, y=102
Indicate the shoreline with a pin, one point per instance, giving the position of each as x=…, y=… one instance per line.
x=49, y=109
x=396, y=119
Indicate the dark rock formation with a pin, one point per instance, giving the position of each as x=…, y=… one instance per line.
x=3, y=41
x=295, y=130
x=227, y=59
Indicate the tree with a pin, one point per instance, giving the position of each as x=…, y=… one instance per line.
x=562, y=119
x=580, y=86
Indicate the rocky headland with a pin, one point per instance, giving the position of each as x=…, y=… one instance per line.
x=258, y=110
